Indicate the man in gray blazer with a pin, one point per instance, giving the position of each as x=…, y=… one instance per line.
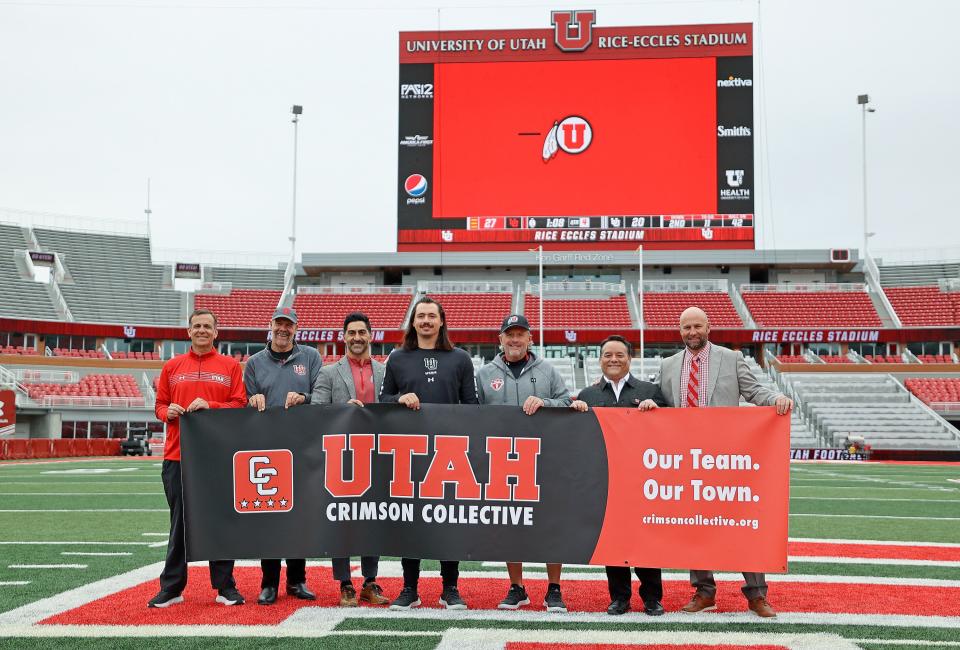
x=356, y=379
x=702, y=375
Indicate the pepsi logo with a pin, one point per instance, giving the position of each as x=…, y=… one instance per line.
x=415, y=185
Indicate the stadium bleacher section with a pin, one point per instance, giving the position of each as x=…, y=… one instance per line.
x=875, y=406
x=93, y=390
x=247, y=278
x=22, y=298
x=922, y=306
x=935, y=390
x=474, y=310
x=113, y=279
x=664, y=309
x=587, y=313
x=774, y=308
x=241, y=307
x=385, y=310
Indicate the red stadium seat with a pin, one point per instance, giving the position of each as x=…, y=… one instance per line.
x=583, y=313
x=812, y=309
x=664, y=309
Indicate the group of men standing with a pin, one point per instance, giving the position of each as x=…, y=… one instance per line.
x=286, y=374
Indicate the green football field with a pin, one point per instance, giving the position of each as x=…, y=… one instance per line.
x=886, y=575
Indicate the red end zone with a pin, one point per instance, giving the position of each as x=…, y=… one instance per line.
x=129, y=607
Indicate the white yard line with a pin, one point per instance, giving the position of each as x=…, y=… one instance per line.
x=91, y=510
x=486, y=638
x=867, y=542
x=873, y=499
x=46, y=566
x=93, y=554
x=155, y=534
x=858, y=516
x=871, y=560
x=14, y=583
x=92, y=494
x=73, y=543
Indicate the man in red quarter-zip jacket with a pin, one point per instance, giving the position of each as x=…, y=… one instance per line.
x=200, y=379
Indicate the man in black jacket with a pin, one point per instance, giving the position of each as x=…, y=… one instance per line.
x=618, y=388
x=428, y=369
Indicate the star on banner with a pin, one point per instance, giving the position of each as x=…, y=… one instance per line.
x=256, y=504
x=269, y=503
x=283, y=503
x=244, y=503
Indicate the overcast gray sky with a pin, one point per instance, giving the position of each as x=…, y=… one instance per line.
x=97, y=96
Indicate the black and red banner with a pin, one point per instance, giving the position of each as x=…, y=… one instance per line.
x=611, y=486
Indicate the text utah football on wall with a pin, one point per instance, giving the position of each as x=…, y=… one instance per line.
x=611, y=486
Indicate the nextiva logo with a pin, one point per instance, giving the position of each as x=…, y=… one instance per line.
x=572, y=134
x=734, y=82
x=416, y=141
x=734, y=192
x=733, y=131
x=416, y=91
x=416, y=187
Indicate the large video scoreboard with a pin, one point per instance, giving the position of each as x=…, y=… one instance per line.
x=576, y=136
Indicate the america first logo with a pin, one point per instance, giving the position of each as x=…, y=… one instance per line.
x=263, y=481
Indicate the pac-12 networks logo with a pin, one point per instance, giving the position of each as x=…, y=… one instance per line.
x=572, y=134
x=416, y=187
x=263, y=481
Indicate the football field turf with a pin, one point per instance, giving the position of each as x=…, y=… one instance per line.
x=874, y=563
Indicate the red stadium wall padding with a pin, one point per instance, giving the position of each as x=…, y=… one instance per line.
x=61, y=448
x=40, y=448
x=81, y=447
x=17, y=449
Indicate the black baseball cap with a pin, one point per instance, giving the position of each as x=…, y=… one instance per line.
x=514, y=320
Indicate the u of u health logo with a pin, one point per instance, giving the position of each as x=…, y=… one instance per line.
x=263, y=481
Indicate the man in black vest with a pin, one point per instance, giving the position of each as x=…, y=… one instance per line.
x=618, y=388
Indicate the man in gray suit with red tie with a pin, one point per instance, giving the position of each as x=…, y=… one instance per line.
x=702, y=375
x=355, y=379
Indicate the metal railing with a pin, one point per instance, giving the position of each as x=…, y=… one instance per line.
x=89, y=401
x=610, y=288
x=222, y=259
x=366, y=289
x=833, y=287
x=74, y=223
x=685, y=286
x=60, y=303
x=215, y=287
x=452, y=286
x=31, y=375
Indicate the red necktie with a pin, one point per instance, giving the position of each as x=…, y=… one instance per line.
x=693, y=383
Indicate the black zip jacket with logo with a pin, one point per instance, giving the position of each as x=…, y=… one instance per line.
x=435, y=376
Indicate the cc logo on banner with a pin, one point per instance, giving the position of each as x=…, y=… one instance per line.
x=263, y=481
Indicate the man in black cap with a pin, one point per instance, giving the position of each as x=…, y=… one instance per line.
x=619, y=388
x=518, y=377
x=282, y=375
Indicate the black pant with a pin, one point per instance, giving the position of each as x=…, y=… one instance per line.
x=296, y=573
x=449, y=572
x=618, y=581
x=174, y=577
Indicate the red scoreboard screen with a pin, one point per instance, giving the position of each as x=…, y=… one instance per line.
x=576, y=136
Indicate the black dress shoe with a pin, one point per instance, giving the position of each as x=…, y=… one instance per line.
x=300, y=591
x=652, y=608
x=268, y=596
x=618, y=607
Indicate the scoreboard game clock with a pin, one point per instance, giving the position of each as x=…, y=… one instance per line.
x=576, y=136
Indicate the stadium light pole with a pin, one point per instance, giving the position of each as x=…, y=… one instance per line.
x=864, y=102
x=297, y=111
x=640, y=306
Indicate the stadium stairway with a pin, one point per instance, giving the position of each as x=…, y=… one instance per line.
x=877, y=407
x=800, y=433
x=22, y=298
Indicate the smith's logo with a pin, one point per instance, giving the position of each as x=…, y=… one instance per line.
x=573, y=30
x=263, y=481
x=430, y=363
